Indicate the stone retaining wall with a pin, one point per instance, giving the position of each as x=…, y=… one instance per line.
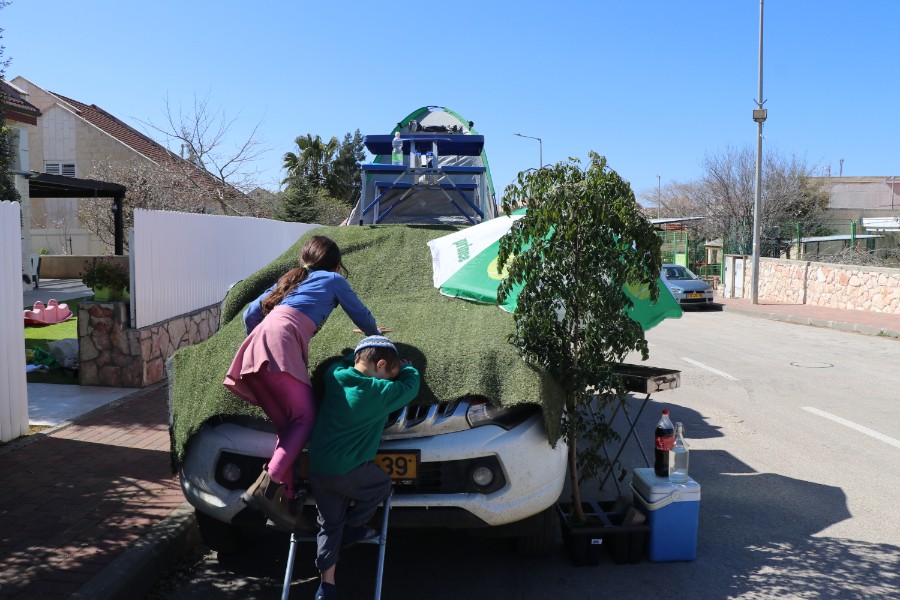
x=851, y=287
x=111, y=353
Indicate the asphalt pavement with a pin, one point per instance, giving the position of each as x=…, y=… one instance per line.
x=91, y=508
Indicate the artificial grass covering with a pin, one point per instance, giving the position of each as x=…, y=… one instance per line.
x=460, y=348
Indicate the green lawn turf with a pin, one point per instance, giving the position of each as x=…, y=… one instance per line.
x=459, y=347
x=38, y=337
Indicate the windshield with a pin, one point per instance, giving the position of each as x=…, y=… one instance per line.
x=677, y=274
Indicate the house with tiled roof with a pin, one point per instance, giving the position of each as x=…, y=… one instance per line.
x=16, y=108
x=71, y=139
x=20, y=117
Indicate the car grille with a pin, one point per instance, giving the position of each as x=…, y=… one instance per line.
x=438, y=477
x=419, y=420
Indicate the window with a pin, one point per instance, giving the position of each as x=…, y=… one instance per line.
x=64, y=169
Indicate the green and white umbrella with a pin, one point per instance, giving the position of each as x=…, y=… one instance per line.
x=465, y=266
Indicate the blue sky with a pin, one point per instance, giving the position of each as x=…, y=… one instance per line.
x=652, y=85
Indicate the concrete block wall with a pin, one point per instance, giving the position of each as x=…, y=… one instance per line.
x=67, y=266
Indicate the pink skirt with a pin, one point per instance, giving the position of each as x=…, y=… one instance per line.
x=280, y=343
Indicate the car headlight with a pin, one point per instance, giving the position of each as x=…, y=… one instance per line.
x=676, y=290
x=481, y=413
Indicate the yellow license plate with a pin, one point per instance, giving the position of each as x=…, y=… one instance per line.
x=402, y=465
x=399, y=465
x=695, y=295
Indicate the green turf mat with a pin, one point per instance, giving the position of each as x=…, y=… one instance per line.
x=459, y=347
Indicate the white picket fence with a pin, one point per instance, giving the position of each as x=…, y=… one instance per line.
x=13, y=386
x=182, y=262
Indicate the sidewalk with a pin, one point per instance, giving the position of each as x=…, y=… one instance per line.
x=865, y=322
x=91, y=508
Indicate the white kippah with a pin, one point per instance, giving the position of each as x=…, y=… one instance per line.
x=375, y=341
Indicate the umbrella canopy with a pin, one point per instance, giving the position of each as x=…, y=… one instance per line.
x=465, y=266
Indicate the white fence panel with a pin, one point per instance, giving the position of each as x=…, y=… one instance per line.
x=13, y=385
x=183, y=262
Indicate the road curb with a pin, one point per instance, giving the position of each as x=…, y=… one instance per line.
x=815, y=322
x=134, y=572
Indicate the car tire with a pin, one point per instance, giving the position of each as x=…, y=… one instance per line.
x=542, y=541
x=224, y=538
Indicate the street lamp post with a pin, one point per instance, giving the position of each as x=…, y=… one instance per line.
x=658, y=196
x=759, y=115
x=540, y=147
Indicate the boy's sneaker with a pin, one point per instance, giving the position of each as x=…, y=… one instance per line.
x=354, y=535
x=326, y=591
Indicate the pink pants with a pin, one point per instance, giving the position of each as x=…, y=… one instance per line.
x=289, y=404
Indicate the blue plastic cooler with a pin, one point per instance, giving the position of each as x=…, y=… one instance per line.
x=673, y=513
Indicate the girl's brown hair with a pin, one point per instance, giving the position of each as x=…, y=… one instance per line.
x=320, y=253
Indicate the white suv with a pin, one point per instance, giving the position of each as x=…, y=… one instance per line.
x=471, y=452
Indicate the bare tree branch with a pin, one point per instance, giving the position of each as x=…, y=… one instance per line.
x=726, y=191
x=201, y=136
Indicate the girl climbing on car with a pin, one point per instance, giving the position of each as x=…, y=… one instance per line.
x=271, y=368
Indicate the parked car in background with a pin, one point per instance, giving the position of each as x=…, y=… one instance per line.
x=687, y=288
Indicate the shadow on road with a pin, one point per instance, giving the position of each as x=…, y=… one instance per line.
x=759, y=536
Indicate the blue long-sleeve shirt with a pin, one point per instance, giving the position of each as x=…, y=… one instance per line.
x=319, y=294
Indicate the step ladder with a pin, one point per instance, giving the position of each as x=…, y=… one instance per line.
x=381, y=540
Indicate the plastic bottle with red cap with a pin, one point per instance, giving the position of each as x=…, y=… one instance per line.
x=665, y=439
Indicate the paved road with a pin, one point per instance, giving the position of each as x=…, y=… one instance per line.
x=795, y=439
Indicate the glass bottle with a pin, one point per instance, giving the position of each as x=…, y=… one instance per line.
x=678, y=457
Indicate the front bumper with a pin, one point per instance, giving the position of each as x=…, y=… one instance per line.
x=694, y=297
x=532, y=471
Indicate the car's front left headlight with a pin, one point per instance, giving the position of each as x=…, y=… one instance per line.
x=481, y=413
x=676, y=290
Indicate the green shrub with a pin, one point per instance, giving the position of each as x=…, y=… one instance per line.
x=100, y=272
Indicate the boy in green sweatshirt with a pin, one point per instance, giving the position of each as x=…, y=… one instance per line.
x=361, y=390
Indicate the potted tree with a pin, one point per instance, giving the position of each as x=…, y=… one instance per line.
x=107, y=278
x=581, y=241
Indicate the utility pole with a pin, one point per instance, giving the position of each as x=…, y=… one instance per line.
x=759, y=115
x=658, y=196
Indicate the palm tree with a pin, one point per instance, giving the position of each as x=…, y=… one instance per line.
x=313, y=161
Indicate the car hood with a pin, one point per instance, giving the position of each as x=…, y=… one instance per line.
x=460, y=348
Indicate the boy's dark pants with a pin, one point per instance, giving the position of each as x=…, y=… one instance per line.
x=367, y=484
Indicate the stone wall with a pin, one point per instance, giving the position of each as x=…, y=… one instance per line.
x=111, y=353
x=852, y=287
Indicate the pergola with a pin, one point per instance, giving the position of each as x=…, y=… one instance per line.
x=44, y=185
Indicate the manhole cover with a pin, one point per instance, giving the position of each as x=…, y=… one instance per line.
x=812, y=365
